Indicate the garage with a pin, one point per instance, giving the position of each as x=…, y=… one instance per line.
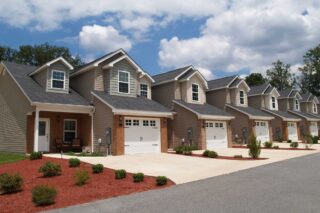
x=216, y=135
x=292, y=131
x=314, y=128
x=142, y=135
x=262, y=131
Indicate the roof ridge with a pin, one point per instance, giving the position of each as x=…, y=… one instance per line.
x=172, y=70
x=231, y=76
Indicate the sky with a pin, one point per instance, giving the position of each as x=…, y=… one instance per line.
x=220, y=37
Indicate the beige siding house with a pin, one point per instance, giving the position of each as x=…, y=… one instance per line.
x=195, y=122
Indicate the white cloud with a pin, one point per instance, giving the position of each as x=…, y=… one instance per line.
x=104, y=39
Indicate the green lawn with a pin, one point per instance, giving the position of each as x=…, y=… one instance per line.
x=6, y=157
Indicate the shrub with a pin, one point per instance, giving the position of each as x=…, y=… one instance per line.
x=98, y=168
x=161, y=180
x=50, y=169
x=289, y=141
x=74, y=162
x=315, y=139
x=254, y=147
x=275, y=147
x=120, y=174
x=185, y=150
x=178, y=150
x=212, y=154
x=138, y=177
x=81, y=177
x=97, y=154
x=237, y=156
x=43, y=195
x=70, y=153
x=10, y=183
x=206, y=153
x=294, y=144
x=267, y=144
x=35, y=155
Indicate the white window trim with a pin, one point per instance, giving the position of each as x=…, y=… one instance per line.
x=195, y=92
x=147, y=91
x=295, y=105
x=275, y=102
x=76, y=126
x=314, y=108
x=64, y=79
x=244, y=100
x=124, y=82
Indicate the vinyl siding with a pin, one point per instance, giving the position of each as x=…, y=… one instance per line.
x=235, y=95
x=186, y=90
x=256, y=101
x=144, y=80
x=218, y=98
x=283, y=104
x=60, y=67
x=41, y=78
x=13, y=119
x=159, y=91
x=83, y=84
x=98, y=79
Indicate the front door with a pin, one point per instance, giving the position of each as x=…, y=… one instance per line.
x=44, y=134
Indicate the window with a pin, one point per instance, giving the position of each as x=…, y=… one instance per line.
x=221, y=125
x=195, y=92
x=123, y=81
x=241, y=95
x=296, y=104
x=135, y=122
x=273, y=102
x=128, y=122
x=216, y=125
x=144, y=90
x=58, y=78
x=152, y=123
x=315, y=108
x=145, y=123
x=70, y=130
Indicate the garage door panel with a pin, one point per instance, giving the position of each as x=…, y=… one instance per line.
x=262, y=131
x=314, y=129
x=292, y=131
x=216, y=135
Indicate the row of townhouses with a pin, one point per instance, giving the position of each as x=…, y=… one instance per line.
x=112, y=105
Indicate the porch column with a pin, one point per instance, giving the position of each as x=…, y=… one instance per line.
x=36, y=131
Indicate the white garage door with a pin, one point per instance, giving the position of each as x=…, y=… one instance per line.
x=292, y=131
x=216, y=134
x=314, y=128
x=262, y=131
x=142, y=135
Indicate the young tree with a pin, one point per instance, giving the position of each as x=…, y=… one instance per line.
x=38, y=54
x=280, y=76
x=255, y=79
x=311, y=71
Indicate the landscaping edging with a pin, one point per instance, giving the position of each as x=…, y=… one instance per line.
x=294, y=149
x=222, y=157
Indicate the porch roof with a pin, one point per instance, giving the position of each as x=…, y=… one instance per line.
x=307, y=116
x=253, y=113
x=283, y=115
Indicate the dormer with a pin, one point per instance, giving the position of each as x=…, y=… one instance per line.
x=53, y=76
x=309, y=103
x=239, y=92
x=289, y=99
x=264, y=96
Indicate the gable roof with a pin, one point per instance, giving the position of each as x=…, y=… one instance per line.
x=308, y=97
x=48, y=64
x=307, y=116
x=205, y=111
x=264, y=89
x=37, y=94
x=289, y=93
x=110, y=59
x=253, y=113
x=283, y=115
x=132, y=105
x=170, y=76
x=221, y=82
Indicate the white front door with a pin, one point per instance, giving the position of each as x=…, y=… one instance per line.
x=142, y=135
x=262, y=131
x=44, y=134
x=314, y=128
x=292, y=131
x=216, y=134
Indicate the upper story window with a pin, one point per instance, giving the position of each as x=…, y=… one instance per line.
x=58, y=79
x=144, y=90
x=296, y=105
x=315, y=109
x=241, y=95
x=123, y=81
x=273, y=102
x=195, y=92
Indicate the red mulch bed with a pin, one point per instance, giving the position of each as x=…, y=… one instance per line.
x=222, y=157
x=243, y=147
x=100, y=186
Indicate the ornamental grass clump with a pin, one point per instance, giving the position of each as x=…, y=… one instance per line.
x=254, y=146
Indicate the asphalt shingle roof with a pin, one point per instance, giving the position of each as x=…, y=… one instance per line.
x=281, y=114
x=305, y=115
x=37, y=93
x=288, y=93
x=170, y=75
x=251, y=111
x=131, y=103
x=221, y=82
x=259, y=90
x=204, y=109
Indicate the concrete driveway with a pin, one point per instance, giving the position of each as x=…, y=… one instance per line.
x=183, y=169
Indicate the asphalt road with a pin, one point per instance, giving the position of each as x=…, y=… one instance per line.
x=291, y=186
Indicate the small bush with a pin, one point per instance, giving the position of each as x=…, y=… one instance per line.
x=178, y=150
x=10, y=183
x=294, y=145
x=35, y=155
x=120, y=174
x=97, y=154
x=187, y=150
x=71, y=153
x=212, y=154
x=238, y=156
x=98, y=168
x=74, y=162
x=267, y=144
x=289, y=141
x=315, y=139
x=50, y=169
x=206, y=153
x=254, y=147
x=275, y=147
x=138, y=177
x=43, y=195
x=81, y=177
x=161, y=180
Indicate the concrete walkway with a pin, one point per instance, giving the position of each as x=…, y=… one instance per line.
x=183, y=169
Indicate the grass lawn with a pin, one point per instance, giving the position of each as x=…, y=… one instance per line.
x=6, y=157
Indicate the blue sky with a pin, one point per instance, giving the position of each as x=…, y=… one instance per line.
x=218, y=37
